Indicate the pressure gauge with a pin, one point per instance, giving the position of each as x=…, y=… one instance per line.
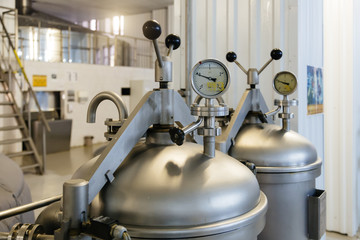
x=210, y=78
x=285, y=83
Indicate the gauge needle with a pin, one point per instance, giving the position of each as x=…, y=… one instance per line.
x=209, y=78
x=283, y=82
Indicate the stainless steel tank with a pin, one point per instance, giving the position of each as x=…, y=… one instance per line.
x=287, y=165
x=165, y=191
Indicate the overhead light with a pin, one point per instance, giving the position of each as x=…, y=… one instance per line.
x=93, y=24
x=122, y=22
x=116, y=25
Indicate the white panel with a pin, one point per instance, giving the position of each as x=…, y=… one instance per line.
x=200, y=44
x=340, y=122
x=310, y=52
x=356, y=101
x=265, y=46
x=254, y=33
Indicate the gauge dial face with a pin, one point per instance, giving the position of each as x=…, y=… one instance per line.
x=210, y=78
x=285, y=83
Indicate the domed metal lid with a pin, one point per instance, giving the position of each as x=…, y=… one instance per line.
x=177, y=187
x=271, y=148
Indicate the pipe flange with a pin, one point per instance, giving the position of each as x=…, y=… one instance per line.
x=286, y=103
x=113, y=127
x=209, y=132
x=203, y=111
x=25, y=231
x=286, y=115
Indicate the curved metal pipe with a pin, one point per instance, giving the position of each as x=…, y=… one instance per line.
x=107, y=95
x=28, y=207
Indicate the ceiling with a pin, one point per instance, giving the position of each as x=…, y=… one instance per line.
x=81, y=10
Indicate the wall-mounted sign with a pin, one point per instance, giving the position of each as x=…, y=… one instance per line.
x=315, y=93
x=39, y=80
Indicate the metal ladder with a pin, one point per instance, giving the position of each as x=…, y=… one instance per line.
x=26, y=154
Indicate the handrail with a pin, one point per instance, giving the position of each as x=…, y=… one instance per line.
x=42, y=116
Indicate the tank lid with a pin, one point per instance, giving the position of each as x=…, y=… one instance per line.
x=273, y=149
x=178, y=187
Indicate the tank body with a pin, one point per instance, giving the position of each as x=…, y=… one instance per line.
x=176, y=192
x=287, y=166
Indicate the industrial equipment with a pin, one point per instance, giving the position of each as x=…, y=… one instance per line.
x=155, y=189
x=286, y=163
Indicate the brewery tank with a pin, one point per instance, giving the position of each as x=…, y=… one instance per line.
x=287, y=166
x=164, y=191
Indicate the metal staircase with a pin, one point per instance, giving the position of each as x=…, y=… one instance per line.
x=15, y=137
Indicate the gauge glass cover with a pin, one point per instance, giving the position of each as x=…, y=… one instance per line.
x=210, y=78
x=285, y=83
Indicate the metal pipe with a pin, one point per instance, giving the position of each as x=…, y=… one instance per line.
x=188, y=51
x=158, y=55
x=272, y=112
x=75, y=199
x=43, y=148
x=44, y=237
x=4, y=235
x=209, y=123
x=265, y=65
x=241, y=67
x=107, y=95
x=69, y=43
x=28, y=207
x=192, y=126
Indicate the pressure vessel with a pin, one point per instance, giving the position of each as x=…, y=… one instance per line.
x=287, y=166
x=165, y=191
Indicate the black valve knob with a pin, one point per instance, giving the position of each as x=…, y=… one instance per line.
x=173, y=40
x=231, y=56
x=151, y=29
x=276, y=54
x=177, y=135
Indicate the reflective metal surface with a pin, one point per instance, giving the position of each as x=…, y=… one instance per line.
x=176, y=191
x=268, y=145
x=287, y=166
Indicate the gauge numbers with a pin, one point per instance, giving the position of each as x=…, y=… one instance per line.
x=210, y=78
x=285, y=83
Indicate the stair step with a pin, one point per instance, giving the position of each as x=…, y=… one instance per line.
x=4, y=92
x=8, y=128
x=8, y=115
x=6, y=103
x=15, y=140
x=18, y=154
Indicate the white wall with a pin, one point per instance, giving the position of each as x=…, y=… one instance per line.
x=341, y=81
x=90, y=79
x=133, y=24
x=251, y=29
x=310, y=52
x=356, y=102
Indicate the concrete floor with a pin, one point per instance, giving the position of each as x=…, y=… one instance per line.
x=60, y=167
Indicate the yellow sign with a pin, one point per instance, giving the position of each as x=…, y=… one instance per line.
x=39, y=81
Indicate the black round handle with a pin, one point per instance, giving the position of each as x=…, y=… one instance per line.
x=151, y=29
x=276, y=54
x=231, y=56
x=177, y=135
x=173, y=40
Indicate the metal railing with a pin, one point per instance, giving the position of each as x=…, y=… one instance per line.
x=11, y=66
x=52, y=41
